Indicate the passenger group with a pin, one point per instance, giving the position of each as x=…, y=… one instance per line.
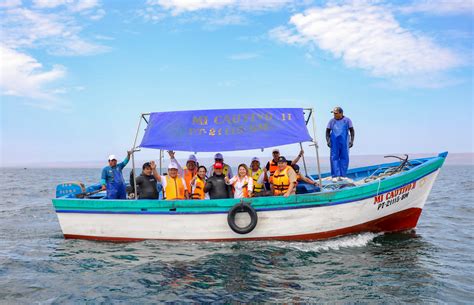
x=279, y=177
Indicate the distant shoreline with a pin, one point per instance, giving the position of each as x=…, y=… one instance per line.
x=355, y=161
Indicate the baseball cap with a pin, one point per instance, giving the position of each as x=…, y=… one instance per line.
x=296, y=167
x=282, y=159
x=219, y=156
x=337, y=110
x=192, y=158
x=218, y=165
x=255, y=159
x=172, y=166
x=112, y=157
x=276, y=150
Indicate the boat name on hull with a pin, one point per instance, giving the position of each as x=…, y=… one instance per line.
x=392, y=197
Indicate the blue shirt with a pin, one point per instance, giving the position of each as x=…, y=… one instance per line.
x=108, y=171
x=340, y=126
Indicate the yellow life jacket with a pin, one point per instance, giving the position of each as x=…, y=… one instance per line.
x=226, y=169
x=174, y=188
x=257, y=187
x=198, y=192
x=280, y=181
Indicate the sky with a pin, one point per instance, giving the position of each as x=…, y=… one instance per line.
x=77, y=74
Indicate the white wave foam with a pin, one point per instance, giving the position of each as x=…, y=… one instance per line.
x=353, y=241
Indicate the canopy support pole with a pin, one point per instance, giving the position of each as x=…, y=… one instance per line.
x=316, y=148
x=133, y=157
x=161, y=162
x=304, y=161
x=301, y=145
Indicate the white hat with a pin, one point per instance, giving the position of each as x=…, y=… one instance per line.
x=219, y=156
x=276, y=150
x=112, y=157
x=255, y=159
x=192, y=158
x=173, y=166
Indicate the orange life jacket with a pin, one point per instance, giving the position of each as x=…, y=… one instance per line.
x=280, y=181
x=198, y=192
x=174, y=188
x=188, y=176
x=273, y=167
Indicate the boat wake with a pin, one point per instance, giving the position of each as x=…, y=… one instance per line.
x=352, y=241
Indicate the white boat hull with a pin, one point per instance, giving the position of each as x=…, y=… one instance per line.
x=396, y=211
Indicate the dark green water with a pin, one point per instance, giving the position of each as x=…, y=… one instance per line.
x=433, y=264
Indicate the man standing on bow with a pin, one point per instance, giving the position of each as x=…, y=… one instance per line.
x=337, y=133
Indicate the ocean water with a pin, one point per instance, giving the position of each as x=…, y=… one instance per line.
x=37, y=266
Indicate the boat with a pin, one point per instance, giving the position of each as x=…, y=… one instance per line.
x=385, y=197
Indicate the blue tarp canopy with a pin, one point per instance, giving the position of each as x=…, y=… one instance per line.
x=225, y=130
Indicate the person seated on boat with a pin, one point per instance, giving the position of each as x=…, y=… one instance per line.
x=283, y=181
x=257, y=174
x=197, y=184
x=337, y=133
x=241, y=183
x=174, y=186
x=112, y=178
x=301, y=178
x=272, y=165
x=189, y=171
x=147, y=185
x=227, y=170
x=216, y=185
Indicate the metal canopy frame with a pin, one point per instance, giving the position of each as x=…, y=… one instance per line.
x=145, y=117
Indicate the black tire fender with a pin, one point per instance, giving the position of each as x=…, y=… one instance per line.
x=239, y=208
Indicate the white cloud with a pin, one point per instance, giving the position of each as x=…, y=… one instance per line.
x=288, y=36
x=73, y=5
x=82, y=5
x=440, y=7
x=77, y=46
x=227, y=20
x=368, y=37
x=180, y=6
x=22, y=75
x=57, y=33
x=9, y=3
x=48, y=3
x=244, y=56
x=103, y=37
x=214, y=13
x=151, y=14
x=99, y=14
